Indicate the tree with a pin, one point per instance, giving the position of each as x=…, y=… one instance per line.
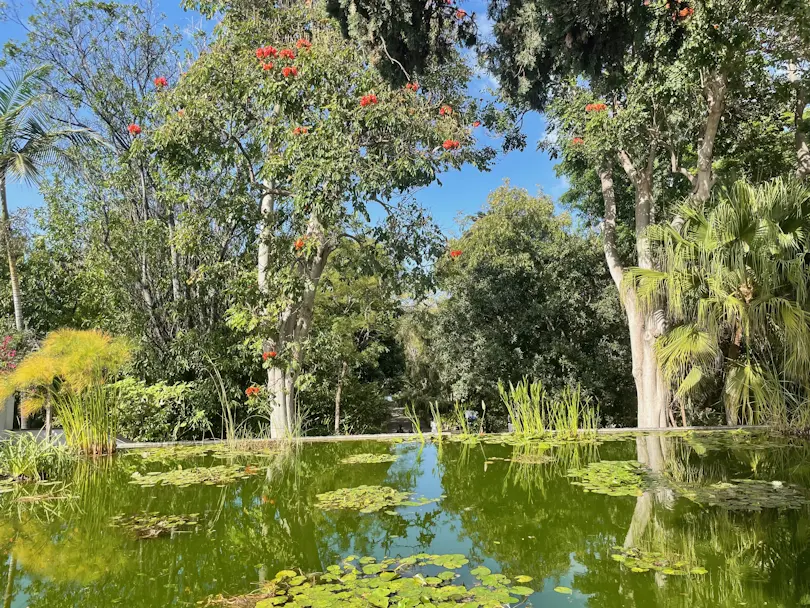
x=734, y=284
x=527, y=295
x=27, y=145
x=296, y=113
x=643, y=89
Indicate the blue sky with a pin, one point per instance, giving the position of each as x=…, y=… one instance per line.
x=460, y=193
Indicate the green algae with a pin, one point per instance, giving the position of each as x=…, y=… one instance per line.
x=746, y=495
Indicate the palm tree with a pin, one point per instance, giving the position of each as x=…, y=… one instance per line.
x=735, y=286
x=27, y=145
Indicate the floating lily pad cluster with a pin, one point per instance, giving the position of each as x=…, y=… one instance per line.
x=217, y=450
x=152, y=525
x=368, y=499
x=747, y=495
x=638, y=560
x=404, y=583
x=210, y=476
x=369, y=458
x=613, y=477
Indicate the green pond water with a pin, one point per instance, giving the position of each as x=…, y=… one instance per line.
x=511, y=509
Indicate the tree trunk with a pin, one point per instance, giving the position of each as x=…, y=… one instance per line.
x=651, y=389
x=16, y=294
x=715, y=89
x=337, y=396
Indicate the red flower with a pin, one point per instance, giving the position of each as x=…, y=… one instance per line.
x=267, y=66
x=181, y=112
x=595, y=107
x=161, y=82
x=412, y=86
x=134, y=129
x=287, y=53
x=266, y=51
x=299, y=243
x=368, y=100
x=289, y=71
x=303, y=43
x=300, y=130
x=578, y=141
x=269, y=355
x=477, y=123
x=686, y=12
x=455, y=253
x=252, y=391
x=451, y=144
x=445, y=111
x=461, y=13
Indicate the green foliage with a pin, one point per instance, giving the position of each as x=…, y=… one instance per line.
x=219, y=475
x=369, y=458
x=528, y=296
x=161, y=411
x=89, y=418
x=25, y=457
x=152, y=525
x=734, y=285
x=639, y=560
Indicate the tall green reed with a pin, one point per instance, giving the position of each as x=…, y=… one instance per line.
x=89, y=418
x=533, y=412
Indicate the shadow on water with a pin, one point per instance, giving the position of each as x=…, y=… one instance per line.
x=511, y=508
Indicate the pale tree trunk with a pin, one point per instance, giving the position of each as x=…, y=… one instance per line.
x=48, y=418
x=16, y=294
x=715, y=88
x=293, y=329
x=8, y=596
x=337, y=396
x=652, y=392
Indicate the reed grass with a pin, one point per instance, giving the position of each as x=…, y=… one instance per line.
x=533, y=412
x=437, y=420
x=413, y=418
x=89, y=418
x=25, y=457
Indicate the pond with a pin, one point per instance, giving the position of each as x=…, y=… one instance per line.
x=684, y=530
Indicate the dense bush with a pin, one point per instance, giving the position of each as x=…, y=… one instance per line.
x=163, y=412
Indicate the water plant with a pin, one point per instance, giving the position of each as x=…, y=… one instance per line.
x=68, y=371
x=369, y=458
x=416, y=423
x=24, y=457
x=389, y=582
x=747, y=495
x=533, y=412
x=639, y=560
x=210, y=476
x=368, y=499
x=613, y=477
x=438, y=421
x=152, y=525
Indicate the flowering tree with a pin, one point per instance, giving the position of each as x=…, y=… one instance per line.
x=329, y=151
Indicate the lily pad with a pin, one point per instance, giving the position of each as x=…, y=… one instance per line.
x=747, y=495
x=391, y=582
x=369, y=458
x=368, y=499
x=152, y=525
x=613, y=477
x=212, y=476
x=639, y=560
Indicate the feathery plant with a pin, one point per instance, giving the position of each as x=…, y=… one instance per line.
x=734, y=283
x=70, y=369
x=533, y=412
x=25, y=457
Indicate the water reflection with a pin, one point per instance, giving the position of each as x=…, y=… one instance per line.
x=511, y=508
